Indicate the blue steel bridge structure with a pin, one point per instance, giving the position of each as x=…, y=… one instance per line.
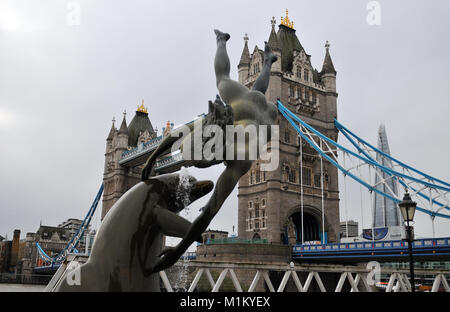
x=358, y=163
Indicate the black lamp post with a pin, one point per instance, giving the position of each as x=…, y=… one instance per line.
x=408, y=208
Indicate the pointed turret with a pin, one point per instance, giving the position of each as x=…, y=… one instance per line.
x=328, y=67
x=123, y=127
x=328, y=73
x=244, y=63
x=288, y=41
x=273, y=40
x=245, y=57
x=112, y=131
x=138, y=125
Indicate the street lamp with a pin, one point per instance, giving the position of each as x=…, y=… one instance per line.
x=408, y=208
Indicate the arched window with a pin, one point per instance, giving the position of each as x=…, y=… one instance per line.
x=256, y=68
x=306, y=175
x=299, y=72
x=292, y=176
x=288, y=172
x=258, y=175
x=256, y=210
x=306, y=74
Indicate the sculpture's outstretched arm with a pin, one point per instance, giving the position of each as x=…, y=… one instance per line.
x=224, y=186
x=262, y=83
x=172, y=224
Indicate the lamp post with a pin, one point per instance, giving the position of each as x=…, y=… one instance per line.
x=408, y=208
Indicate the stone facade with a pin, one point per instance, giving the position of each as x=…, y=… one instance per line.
x=118, y=179
x=270, y=202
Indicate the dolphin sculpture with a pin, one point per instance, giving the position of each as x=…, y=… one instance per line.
x=130, y=238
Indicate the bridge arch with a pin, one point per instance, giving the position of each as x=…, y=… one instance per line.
x=312, y=224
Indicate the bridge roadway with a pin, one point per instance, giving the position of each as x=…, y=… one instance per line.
x=165, y=164
x=430, y=249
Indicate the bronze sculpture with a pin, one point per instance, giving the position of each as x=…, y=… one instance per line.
x=248, y=107
x=131, y=236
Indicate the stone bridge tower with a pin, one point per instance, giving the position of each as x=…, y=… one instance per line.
x=116, y=178
x=270, y=202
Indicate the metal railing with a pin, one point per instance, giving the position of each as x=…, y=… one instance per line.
x=357, y=277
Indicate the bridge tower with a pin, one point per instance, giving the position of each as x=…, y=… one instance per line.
x=118, y=179
x=270, y=202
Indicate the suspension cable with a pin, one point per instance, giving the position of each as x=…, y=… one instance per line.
x=345, y=200
x=323, y=210
x=301, y=187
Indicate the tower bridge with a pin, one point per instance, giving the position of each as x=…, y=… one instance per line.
x=299, y=202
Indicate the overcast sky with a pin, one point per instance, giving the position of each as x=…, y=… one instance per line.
x=61, y=84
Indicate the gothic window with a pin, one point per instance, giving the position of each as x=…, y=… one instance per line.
x=250, y=215
x=256, y=224
x=292, y=176
x=287, y=138
x=256, y=210
x=256, y=68
x=317, y=180
x=250, y=177
x=314, y=99
x=258, y=176
x=299, y=72
x=291, y=91
x=250, y=205
x=251, y=225
x=326, y=178
x=288, y=172
x=264, y=175
x=263, y=203
x=264, y=223
x=263, y=212
x=306, y=75
x=306, y=175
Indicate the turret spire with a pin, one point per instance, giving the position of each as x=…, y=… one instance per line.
x=245, y=57
x=112, y=131
x=328, y=67
x=286, y=21
x=273, y=40
x=123, y=127
x=142, y=108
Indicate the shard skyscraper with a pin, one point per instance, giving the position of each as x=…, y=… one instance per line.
x=386, y=212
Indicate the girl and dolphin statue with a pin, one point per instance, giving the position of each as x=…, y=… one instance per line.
x=130, y=238
x=127, y=253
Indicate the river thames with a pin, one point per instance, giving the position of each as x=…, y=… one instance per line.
x=21, y=288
